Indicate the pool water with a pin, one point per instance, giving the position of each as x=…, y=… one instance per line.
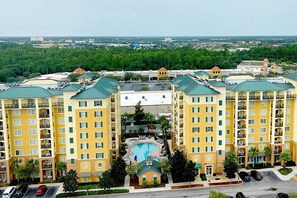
x=141, y=151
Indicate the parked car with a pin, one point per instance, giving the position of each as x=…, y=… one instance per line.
x=21, y=190
x=9, y=192
x=244, y=176
x=282, y=195
x=240, y=195
x=256, y=175
x=40, y=190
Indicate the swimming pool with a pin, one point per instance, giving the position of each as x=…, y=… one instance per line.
x=141, y=151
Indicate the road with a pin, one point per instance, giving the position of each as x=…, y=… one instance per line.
x=258, y=189
x=50, y=193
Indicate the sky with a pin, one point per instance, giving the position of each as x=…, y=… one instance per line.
x=148, y=17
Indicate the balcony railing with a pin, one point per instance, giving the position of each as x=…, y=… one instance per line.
x=46, y=154
x=2, y=148
x=181, y=97
x=241, y=126
x=277, y=142
x=181, y=134
x=279, y=106
x=230, y=97
x=44, y=115
x=44, y=125
x=3, y=168
x=112, y=109
x=58, y=104
x=112, y=100
x=279, y=125
x=43, y=104
x=181, y=125
x=11, y=106
x=1, y=138
x=28, y=105
x=240, y=143
x=181, y=116
x=241, y=116
x=45, y=135
x=268, y=97
x=280, y=97
x=113, y=119
x=181, y=106
x=240, y=154
x=280, y=115
x=277, y=151
x=254, y=97
x=241, y=107
x=47, y=166
x=1, y=127
x=241, y=97
x=291, y=96
x=278, y=134
x=47, y=145
x=241, y=136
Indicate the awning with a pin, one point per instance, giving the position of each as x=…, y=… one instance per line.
x=260, y=154
x=98, y=173
x=198, y=166
x=85, y=174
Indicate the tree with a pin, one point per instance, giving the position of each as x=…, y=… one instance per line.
x=70, y=183
x=31, y=168
x=231, y=164
x=214, y=194
x=178, y=163
x=165, y=167
x=190, y=172
x=118, y=171
x=255, y=153
x=73, y=77
x=165, y=125
x=132, y=169
x=268, y=152
x=148, y=117
x=139, y=114
x=105, y=181
x=284, y=158
x=124, y=119
x=60, y=166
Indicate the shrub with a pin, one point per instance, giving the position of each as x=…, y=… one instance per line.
x=99, y=192
x=285, y=171
x=214, y=194
x=144, y=184
x=155, y=184
x=203, y=177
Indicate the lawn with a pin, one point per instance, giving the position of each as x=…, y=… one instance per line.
x=285, y=171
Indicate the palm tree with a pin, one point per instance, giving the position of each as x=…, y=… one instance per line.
x=124, y=119
x=31, y=168
x=268, y=152
x=60, y=166
x=148, y=117
x=164, y=126
x=16, y=168
x=284, y=158
x=255, y=153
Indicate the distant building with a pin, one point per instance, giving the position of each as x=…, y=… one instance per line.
x=149, y=172
x=255, y=67
x=162, y=74
x=91, y=40
x=37, y=38
x=215, y=72
x=201, y=75
x=86, y=77
x=169, y=40
x=79, y=71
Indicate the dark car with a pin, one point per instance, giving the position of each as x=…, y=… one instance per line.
x=40, y=190
x=282, y=195
x=21, y=190
x=240, y=195
x=244, y=176
x=256, y=175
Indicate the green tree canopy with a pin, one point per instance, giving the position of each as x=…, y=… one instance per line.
x=231, y=164
x=178, y=163
x=70, y=183
x=105, y=181
x=139, y=114
x=284, y=158
x=118, y=171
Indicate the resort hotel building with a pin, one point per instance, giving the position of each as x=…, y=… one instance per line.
x=51, y=122
x=212, y=117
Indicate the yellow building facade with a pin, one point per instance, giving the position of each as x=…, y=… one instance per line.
x=211, y=118
x=76, y=124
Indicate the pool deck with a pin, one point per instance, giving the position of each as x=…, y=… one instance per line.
x=155, y=154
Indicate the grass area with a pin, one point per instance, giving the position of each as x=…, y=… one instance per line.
x=88, y=186
x=294, y=195
x=99, y=192
x=285, y=171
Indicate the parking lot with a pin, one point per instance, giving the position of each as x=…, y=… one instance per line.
x=50, y=192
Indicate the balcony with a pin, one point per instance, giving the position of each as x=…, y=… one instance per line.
x=181, y=116
x=113, y=128
x=2, y=156
x=1, y=127
x=268, y=97
x=280, y=97
x=113, y=110
x=43, y=104
x=280, y=115
x=47, y=164
x=241, y=135
x=241, y=116
x=46, y=145
x=242, y=107
x=44, y=125
x=3, y=168
x=181, y=134
x=241, y=126
x=240, y=143
x=46, y=154
x=181, y=106
x=28, y=105
x=44, y=115
x=11, y=106
x=278, y=150
x=114, y=146
x=291, y=96
x=181, y=97
x=58, y=104
x=241, y=97
x=1, y=138
x=230, y=97
x=254, y=97
x=279, y=106
x=279, y=125
x=2, y=148
x=278, y=134
x=181, y=125
x=112, y=100
x=240, y=153
x=113, y=119
x=277, y=141
x=47, y=135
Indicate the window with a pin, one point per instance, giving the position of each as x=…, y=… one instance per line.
x=287, y=146
x=228, y=104
x=70, y=119
x=195, y=139
x=70, y=129
x=84, y=135
x=252, y=103
x=31, y=121
x=251, y=139
x=31, y=111
x=263, y=130
x=227, y=141
x=195, y=129
x=263, y=121
x=220, y=102
x=209, y=109
x=61, y=121
x=71, y=150
x=227, y=122
x=220, y=152
x=195, y=119
x=61, y=130
x=98, y=134
x=97, y=103
x=220, y=122
x=227, y=113
x=17, y=132
x=99, y=144
x=287, y=138
x=33, y=141
x=69, y=108
x=82, y=103
x=263, y=103
x=62, y=150
x=98, y=114
x=16, y=112
x=251, y=121
x=220, y=132
x=60, y=110
x=220, y=142
x=84, y=156
x=261, y=147
x=262, y=139
x=288, y=120
x=228, y=131
x=195, y=99
x=263, y=112
x=209, y=99
x=98, y=124
x=195, y=109
x=251, y=112
x=195, y=149
x=99, y=165
x=209, y=119
x=99, y=155
x=84, y=146
x=85, y=166
x=71, y=161
x=220, y=112
x=288, y=111
x=208, y=149
x=287, y=129
x=32, y=132
x=18, y=152
x=83, y=125
x=18, y=142
x=16, y=122
x=83, y=114
x=33, y=152
x=209, y=139
x=288, y=102
x=209, y=129
x=62, y=140
x=71, y=140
